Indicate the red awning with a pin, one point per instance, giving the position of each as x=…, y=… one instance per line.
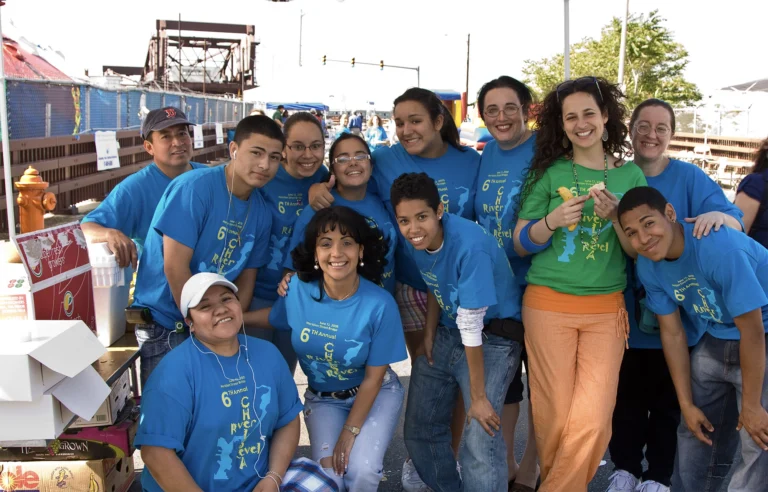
x=21, y=64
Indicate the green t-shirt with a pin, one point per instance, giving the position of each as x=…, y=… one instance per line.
x=277, y=116
x=572, y=265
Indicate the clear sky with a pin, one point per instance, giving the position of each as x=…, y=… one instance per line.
x=726, y=41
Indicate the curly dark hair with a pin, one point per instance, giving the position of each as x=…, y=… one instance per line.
x=351, y=223
x=414, y=186
x=549, y=122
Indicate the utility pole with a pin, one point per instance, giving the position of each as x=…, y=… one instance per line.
x=467, y=83
x=301, y=31
x=623, y=48
x=179, y=51
x=567, y=42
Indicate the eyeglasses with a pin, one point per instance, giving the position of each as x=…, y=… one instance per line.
x=357, y=158
x=509, y=110
x=645, y=129
x=570, y=85
x=315, y=147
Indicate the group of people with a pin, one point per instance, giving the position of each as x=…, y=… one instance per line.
x=632, y=291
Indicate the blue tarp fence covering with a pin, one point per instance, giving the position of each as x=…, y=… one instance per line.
x=298, y=106
x=46, y=109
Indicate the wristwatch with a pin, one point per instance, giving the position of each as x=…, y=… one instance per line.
x=354, y=430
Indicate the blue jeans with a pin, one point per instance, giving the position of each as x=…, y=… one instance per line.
x=715, y=382
x=326, y=416
x=154, y=342
x=431, y=396
x=279, y=338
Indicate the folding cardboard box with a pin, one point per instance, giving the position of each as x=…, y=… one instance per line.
x=52, y=351
x=107, y=475
x=107, y=412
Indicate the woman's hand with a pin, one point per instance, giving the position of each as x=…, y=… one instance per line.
x=567, y=213
x=282, y=287
x=606, y=204
x=342, y=451
x=267, y=484
x=320, y=194
x=481, y=410
x=705, y=222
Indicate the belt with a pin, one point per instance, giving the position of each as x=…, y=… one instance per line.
x=509, y=328
x=336, y=395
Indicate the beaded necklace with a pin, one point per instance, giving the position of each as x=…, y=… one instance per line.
x=595, y=230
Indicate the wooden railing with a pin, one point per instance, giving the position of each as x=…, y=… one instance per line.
x=68, y=164
x=740, y=150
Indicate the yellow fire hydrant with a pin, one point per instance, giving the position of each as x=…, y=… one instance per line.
x=33, y=201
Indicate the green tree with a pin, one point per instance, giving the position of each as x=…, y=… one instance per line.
x=653, y=66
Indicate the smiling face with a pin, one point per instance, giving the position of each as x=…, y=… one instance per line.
x=507, y=130
x=651, y=120
x=415, y=129
x=650, y=232
x=308, y=138
x=582, y=120
x=354, y=173
x=337, y=253
x=218, y=316
x=420, y=224
x=257, y=160
x=170, y=147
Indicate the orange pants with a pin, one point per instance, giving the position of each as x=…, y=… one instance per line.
x=575, y=360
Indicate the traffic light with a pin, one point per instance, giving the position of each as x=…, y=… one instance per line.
x=381, y=65
x=353, y=63
x=324, y=59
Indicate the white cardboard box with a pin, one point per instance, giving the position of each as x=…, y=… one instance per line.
x=107, y=412
x=55, y=351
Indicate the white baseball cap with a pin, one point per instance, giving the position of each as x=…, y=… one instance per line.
x=198, y=285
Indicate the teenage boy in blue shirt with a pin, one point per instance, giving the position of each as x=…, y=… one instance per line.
x=213, y=220
x=122, y=219
x=473, y=340
x=721, y=278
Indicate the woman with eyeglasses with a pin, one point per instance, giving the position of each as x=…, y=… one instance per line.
x=573, y=308
x=286, y=196
x=351, y=167
x=504, y=104
x=647, y=412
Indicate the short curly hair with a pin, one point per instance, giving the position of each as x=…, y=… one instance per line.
x=351, y=223
x=415, y=186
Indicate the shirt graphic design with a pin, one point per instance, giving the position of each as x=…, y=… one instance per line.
x=701, y=298
x=491, y=217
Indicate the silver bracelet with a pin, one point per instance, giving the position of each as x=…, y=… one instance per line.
x=274, y=480
x=271, y=472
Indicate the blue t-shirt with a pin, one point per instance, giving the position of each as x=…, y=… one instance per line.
x=375, y=214
x=470, y=271
x=455, y=174
x=692, y=193
x=499, y=186
x=336, y=340
x=718, y=277
x=356, y=122
x=195, y=211
x=376, y=136
x=129, y=207
x=214, y=416
x=755, y=185
x=286, y=196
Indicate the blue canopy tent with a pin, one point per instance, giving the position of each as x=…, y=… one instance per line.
x=298, y=106
x=444, y=95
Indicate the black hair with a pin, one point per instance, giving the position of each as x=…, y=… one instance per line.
x=653, y=102
x=260, y=125
x=280, y=107
x=761, y=157
x=642, y=195
x=415, y=186
x=448, y=132
x=551, y=136
x=301, y=117
x=332, y=151
x=350, y=223
x=523, y=93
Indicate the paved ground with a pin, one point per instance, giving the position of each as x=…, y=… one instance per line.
x=393, y=462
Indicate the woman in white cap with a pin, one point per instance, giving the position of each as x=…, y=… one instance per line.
x=212, y=418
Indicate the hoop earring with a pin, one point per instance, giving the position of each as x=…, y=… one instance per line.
x=604, y=137
x=565, y=141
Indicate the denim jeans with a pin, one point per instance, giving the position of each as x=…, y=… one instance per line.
x=325, y=417
x=431, y=396
x=154, y=342
x=279, y=338
x=715, y=381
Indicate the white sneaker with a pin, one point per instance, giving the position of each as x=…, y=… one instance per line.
x=410, y=479
x=623, y=481
x=651, y=486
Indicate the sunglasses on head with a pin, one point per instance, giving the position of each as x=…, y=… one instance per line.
x=571, y=85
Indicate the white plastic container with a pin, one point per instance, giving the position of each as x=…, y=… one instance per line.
x=111, y=286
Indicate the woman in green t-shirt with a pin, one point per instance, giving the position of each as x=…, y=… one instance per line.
x=573, y=309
